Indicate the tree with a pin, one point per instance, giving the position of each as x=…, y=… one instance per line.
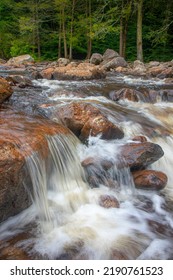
x=139, y=30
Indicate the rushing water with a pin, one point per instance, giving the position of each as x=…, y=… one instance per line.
x=67, y=220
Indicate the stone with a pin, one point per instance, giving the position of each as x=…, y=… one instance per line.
x=21, y=59
x=139, y=155
x=109, y=54
x=108, y=201
x=126, y=93
x=5, y=90
x=63, y=61
x=20, y=137
x=47, y=73
x=114, y=63
x=96, y=58
x=149, y=179
x=83, y=119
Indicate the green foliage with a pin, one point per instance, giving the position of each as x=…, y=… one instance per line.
x=34, y=27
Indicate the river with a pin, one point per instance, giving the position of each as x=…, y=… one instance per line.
x=66, y=220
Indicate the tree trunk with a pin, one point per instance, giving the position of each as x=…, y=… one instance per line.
x=89, y=40
x=60, y=35
x=139, y=30
x=71, y=30
x=64, y=34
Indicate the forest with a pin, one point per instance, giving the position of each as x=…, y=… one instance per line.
x=49, y=29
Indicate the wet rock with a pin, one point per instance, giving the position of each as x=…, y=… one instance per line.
x=126, y=93
x=19, y=80
x=22, y=59
x=149, y=179
x=96, y=58
x=166, y=95
x=155, y=71
x=5, y=90
x=139, y=155
x=108, y=201
x=83, y=120
x=139, y=138
x=166, y=73
x=20, y=136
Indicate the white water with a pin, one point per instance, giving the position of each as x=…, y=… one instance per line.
x=69, y=220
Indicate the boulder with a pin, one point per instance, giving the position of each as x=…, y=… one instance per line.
x=126, y=93
x=20, y=137
x=139, y=155
x=19, y=80
x=83, y=119
x=149, y=179
x=96, y=58
x=109, y=55
x=114, y=63
x=47, y=73
x=139, y=67
x=5, y=90
x=63, y=61
x=83, y=71
x=22, y=59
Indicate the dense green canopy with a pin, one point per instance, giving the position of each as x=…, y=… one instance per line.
x=48, y=29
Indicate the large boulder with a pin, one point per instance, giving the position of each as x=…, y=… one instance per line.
x=83, y=119
x=139, y=155
x=5, y=90
x=20, y=137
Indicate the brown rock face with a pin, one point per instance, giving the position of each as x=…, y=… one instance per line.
x=140, y=155
x=20, y=136
x=84, y=119
x=5, y=90
x=149, y=179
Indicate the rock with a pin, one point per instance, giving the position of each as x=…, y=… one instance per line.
x=139, y=155
x=5, y=90
x=149, y=179
x=114, y=63
x=2, y=61
x=83, y=71
x=156, y=70
x=139, y=67
x=63, y=61
x=19, y=79
x=126, y=93
x=108, y=201
x=47, y=73
x=20, y=136
x=153, y=63
x=166, y=95
x=166, y=73
x=139, y=138
x=83, y=120
x=22, y=59
x=109, y=55
x=96, y=58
